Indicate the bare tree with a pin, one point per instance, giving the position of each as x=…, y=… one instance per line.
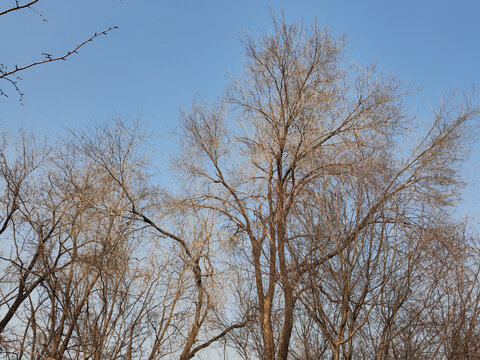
x=32, y=245
x=305, y=161
x=192, y=231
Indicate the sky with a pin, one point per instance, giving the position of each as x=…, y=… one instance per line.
x=164, y=53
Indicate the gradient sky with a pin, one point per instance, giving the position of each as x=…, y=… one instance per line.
x=166, y=52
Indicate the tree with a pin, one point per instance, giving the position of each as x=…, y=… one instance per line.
x=89, y=267
x=190, y=233
x=329, y=208
x=33, y=214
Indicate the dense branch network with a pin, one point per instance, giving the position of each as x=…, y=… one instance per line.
x=305, y=225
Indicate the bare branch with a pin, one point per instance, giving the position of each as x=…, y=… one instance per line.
x=18, y=6
x=9, y=75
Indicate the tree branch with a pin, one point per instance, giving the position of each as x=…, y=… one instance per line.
x=216, y=338
x=6, y=74
x=18, y=7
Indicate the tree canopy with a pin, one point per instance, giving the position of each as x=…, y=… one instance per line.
x=312, y=219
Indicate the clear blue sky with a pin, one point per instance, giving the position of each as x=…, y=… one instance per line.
x=166, y=52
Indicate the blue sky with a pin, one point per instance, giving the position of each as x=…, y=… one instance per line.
x=166, y=52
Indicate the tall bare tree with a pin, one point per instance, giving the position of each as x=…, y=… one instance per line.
x=192, y=231
x=305, y=160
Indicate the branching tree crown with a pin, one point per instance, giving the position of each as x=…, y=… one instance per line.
x=307, y=224
x=305, y=160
